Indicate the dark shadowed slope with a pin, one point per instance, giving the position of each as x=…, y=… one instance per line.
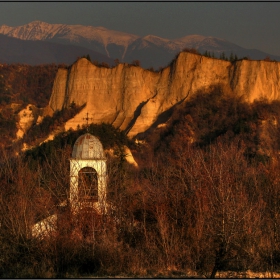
x=14, y=50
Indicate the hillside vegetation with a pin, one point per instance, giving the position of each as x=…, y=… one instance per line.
x=204, y=199
x=20, y=85
x=25, y=84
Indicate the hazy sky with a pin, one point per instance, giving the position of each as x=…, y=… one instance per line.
x=248, y=24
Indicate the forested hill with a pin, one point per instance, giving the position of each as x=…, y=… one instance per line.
x=20, y=85
x=24, y=84
x=203, y=199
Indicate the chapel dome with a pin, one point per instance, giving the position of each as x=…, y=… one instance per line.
x=88, y=146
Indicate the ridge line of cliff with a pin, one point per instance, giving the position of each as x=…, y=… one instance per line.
x=114, y=94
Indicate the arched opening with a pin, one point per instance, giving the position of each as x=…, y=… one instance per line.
x=88, y=184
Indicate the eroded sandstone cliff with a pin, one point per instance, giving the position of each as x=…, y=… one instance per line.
x=134, y=99
x=26, y=118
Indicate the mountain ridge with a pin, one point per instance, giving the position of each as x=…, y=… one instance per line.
x=14, y=50
x=151, y=50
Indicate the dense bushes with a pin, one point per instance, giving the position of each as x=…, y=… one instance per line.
x=26, y=84
x=204, y=210
x=8, y=127
x=49, y=124
x=109, y=136
x=199, y=202
x=20, y=85
x=207, y=117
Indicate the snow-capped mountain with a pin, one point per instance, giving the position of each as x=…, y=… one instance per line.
x=38, y=30
x=152, y=51
x=96, y=38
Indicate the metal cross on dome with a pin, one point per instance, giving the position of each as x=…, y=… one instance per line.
x=87, y=119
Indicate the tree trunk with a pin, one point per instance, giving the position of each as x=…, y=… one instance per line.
x=220, y=255
x=214, y=271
